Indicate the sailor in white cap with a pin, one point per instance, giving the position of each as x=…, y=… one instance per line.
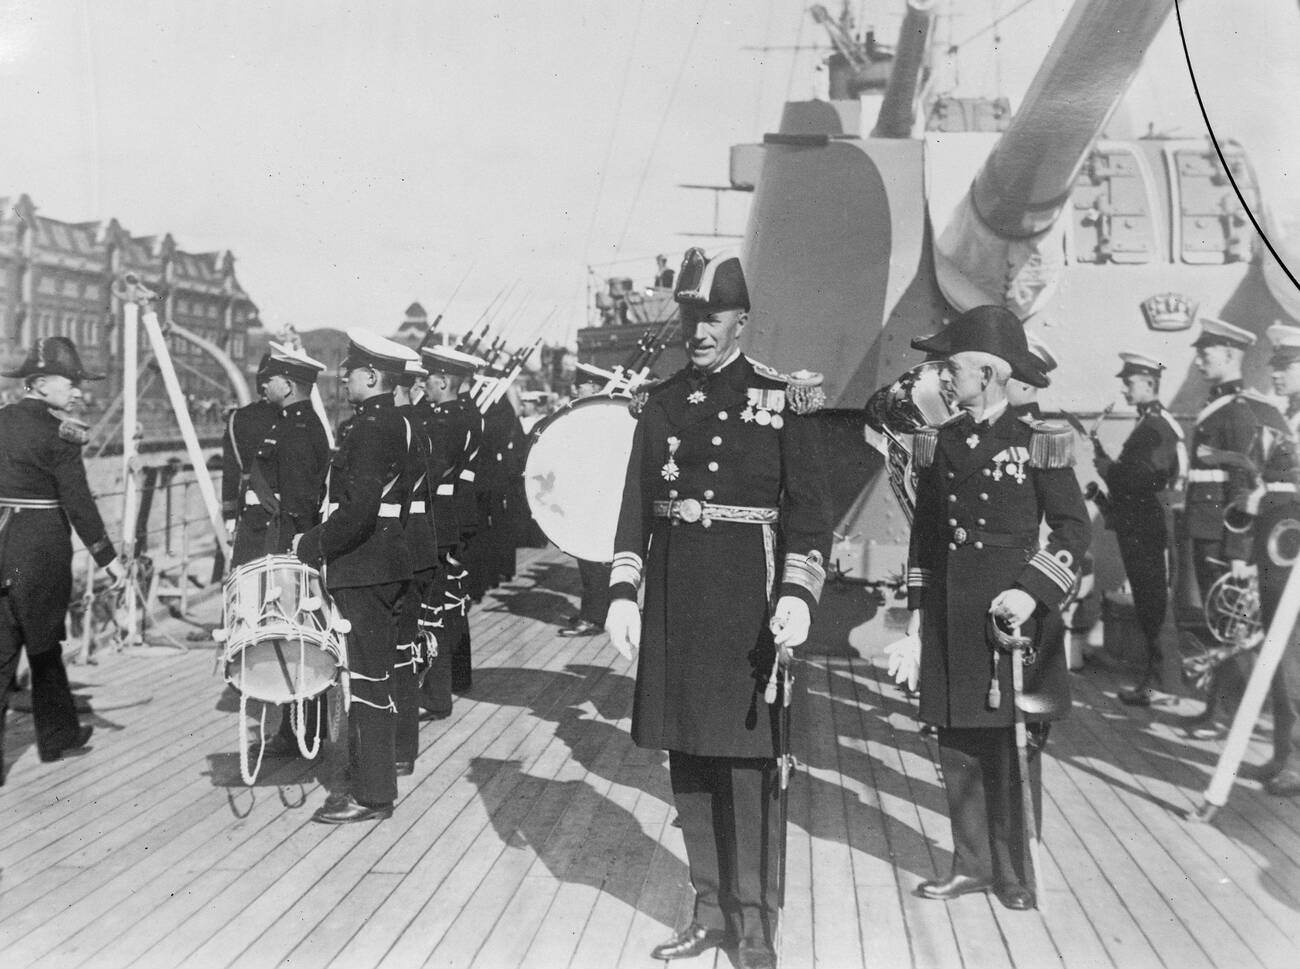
x=1233, y=447
x=1150, y=462
x=369, y=567
x=455, y=429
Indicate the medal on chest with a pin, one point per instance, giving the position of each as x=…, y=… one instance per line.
x=1010, y=463
x=670, y=471
x=764, y=407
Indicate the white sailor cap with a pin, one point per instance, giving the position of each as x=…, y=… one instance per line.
x=1218, y=333
x=1286, y=344
x=1039, y=348
x=291, y=362
x=439, y=359
x=367, y=349
x=1139, y=363
x=414, y=371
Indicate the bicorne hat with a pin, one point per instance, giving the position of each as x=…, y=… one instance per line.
x=712, y=284
x=54, y=356
x=989, y=329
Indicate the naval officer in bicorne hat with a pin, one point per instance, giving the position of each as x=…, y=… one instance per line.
x=1149, y=463
x=368, y=567
x=986, y=480
x=725, y=519
x=42, y=489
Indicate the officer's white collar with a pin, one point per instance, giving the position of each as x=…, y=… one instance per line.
x=991, y=414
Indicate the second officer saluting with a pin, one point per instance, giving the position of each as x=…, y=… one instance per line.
x=723, y=514
x=367, y=568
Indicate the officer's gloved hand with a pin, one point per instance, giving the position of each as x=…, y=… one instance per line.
x=1014, y=607
x=905, y=656
x=1242, y=570
x=623, y=623
x=790, y=621
x=116, y=573
x=230, y=529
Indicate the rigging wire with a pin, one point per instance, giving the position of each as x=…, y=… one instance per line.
x=663, y=121
x=613, y=130
x=1218, y=150
x=991, y=26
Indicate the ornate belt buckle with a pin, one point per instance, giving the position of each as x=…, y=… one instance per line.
x=959, y=535
x=690, y=510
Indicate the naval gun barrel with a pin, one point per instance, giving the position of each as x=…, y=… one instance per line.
x=898, y=109
x=1026, y=181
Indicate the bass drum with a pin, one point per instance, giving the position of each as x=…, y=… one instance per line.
x=573, y=477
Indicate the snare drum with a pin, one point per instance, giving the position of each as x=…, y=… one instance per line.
x=284, y=638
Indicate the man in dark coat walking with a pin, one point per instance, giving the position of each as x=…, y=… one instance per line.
x=723, y=514
x=42, y=489
x=986, y=479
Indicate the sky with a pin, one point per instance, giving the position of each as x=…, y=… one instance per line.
x=356, y=156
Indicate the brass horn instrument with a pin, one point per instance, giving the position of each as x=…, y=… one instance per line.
x=917, y=399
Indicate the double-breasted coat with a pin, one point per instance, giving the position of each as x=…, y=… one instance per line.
x=982, y=493
x=728, y=439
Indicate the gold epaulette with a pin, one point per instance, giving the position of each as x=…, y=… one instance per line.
x=803, y=392
x=74, y=431
x=636, y=403
x=1051, y=445
x=924, y=443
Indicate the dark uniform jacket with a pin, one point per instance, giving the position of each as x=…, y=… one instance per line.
x=1245, y=424
x=453, y=430
x=982, y=493
x=1147, y=464
x=706, y=651
x=421, y=527
x=245, y=431
x=296, y=456
x=39, y=465
x=467, y=416
x=361, y=543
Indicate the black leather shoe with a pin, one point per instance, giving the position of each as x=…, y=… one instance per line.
x=428, y=715
x=952, y=887
x=1016, y=897
x=405, y=768
x=580, y=628
x=689, y=943
x=347, y=811
x=1137, y=696
x=755, y=954
x=1285, y=783
x=82, y=738
x=1263, y=772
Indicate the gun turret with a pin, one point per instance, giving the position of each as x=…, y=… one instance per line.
x=1002, y=244
x=898, y=110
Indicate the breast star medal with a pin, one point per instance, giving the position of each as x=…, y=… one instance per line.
x=696, y=396
x=670, y=471
x=973, y=441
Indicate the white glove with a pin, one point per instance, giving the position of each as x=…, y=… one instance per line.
x=790, y=622
x=905, y=659
x=623, y=623
x=230, y=528
x=116, y=573
x=1242, y=570
x=1014, y=607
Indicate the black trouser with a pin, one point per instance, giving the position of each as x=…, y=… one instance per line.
x=981, y=777
x=729, y=809
x=53, y=709
x=595, y=591
x=406, y=669
x=1142, y=550
x=455, y=617
x=1284, y=691
x=372, y=718
x=444, y=622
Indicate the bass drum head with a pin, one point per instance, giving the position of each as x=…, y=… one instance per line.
x=573, y=477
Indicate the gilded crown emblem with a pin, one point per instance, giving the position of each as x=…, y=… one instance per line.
x=1168, y=311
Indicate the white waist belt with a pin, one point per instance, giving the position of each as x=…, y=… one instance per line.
x=386, y=510
x=446, y=490
x=1204, y=476
x=417, y=508
x=1284, y=486
x=250, y=497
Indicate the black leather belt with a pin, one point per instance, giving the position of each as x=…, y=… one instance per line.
x=960, y=536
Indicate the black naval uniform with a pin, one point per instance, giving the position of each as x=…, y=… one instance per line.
x=1148, y=464
x=246, y=429
x=982, y=492
x=465, y=424
x=491, y=554
x=288, y=469
x=725, y=442
x=422, y=542
x=367, y=569
x=43, y=490
x=1275, y=540
x=1238, y=421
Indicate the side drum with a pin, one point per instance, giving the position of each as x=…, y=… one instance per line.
x=573, y=476
x=284, y=640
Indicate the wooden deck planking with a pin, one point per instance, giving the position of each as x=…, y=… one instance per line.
x=535, y=833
